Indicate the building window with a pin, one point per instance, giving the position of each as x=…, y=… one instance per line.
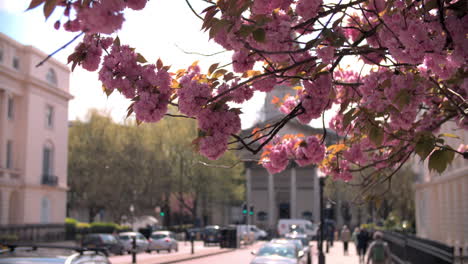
x=1, y=55
x=49, y=117
x=16, y=62
x=51, y=76
x=45, y=210
x=262, y=216
x=307, y=215
x=9, y=155
x=11, y=107
x=47, y=158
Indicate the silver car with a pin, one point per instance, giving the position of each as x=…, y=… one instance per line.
x=163, y=240
x=127, y=240
x=278, y=253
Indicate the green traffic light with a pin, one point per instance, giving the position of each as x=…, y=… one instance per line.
x=250, y=213
x=244, y=211
x=161, y=213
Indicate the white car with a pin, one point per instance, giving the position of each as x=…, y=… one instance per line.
x=286, y=226
x=127, y=240
x=163, y=240
x=259, y=234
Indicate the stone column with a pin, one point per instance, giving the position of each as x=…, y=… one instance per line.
x=271, y=202
x=316, y=197
x=293, y=203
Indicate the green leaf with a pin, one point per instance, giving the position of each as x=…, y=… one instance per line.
x=49, y=7
x=212, y=68
x=424, y=147
x=376, y=135
x=348, y=117
x=440, y=159
x=117, y=41
x=259, y=35
x=140, y=58
x=403, y=98
x=245, y=30
x=34, y=4
x=219, y=73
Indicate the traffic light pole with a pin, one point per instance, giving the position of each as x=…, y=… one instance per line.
x=321, y=256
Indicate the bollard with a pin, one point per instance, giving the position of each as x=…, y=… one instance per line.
x=191, y=242
x=134, y=250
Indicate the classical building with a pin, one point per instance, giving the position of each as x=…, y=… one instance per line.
x=442, y=199
x=33, y=135
x=293, y=193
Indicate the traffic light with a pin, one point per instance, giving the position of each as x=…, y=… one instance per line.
x=244, y=209
x=251, y=212
x=162, y=213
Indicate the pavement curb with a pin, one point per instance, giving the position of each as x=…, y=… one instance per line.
x=197, y=256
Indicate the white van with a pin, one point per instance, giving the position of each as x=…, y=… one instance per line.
x=301, y=225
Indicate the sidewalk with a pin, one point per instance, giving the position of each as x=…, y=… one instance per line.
x=171, y=258
x=335, y=254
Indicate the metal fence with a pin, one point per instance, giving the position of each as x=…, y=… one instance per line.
x=414, y=250
x=32, y=233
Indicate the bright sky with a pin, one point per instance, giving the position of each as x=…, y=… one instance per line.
x=164, y=29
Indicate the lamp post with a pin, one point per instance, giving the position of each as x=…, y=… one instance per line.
x=132, y=209
x=321, y=256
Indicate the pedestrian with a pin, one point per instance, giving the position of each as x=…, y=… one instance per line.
x=363, y=240
x=354, y=237
x=379, y=252
x=345, y=237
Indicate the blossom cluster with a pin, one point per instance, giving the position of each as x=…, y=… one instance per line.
x=413, y=81
x=303, y=151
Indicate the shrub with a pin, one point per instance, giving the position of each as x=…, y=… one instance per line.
x=103, y=227
x=70, y=228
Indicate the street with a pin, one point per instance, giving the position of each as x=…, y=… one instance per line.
x=208, y=255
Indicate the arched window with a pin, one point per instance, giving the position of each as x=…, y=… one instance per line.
x=48, y=158
x=45, y=210
x=51, y=76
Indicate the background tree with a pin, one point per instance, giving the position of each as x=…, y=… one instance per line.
x=147, y=166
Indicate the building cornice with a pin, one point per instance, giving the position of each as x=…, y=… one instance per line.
x=28, y=79
x=446, y=177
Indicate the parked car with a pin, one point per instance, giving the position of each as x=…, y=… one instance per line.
x=163, y=240
x=278, y=253
x=127, y=239
x=259, y=234
x=300, y=241
x=301, y=236
x=106, y=241
x=286, y=226
x=40, y=254
x=211, y=235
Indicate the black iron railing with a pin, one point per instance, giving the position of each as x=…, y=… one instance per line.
x=32, y=233
x=411, y=249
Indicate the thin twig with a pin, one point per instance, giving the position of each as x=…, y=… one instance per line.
x=61, y=48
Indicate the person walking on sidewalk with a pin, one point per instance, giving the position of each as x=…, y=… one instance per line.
x=379, y=252
x=345, y=237
x=363, y=240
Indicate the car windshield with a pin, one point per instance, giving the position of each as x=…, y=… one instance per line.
x=296, y=228
x=109, y=239
x=158, y=236
x=124, y=237
x=278, y=250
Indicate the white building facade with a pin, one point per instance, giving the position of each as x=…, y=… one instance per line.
x=33, y=135
x=442, y=199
